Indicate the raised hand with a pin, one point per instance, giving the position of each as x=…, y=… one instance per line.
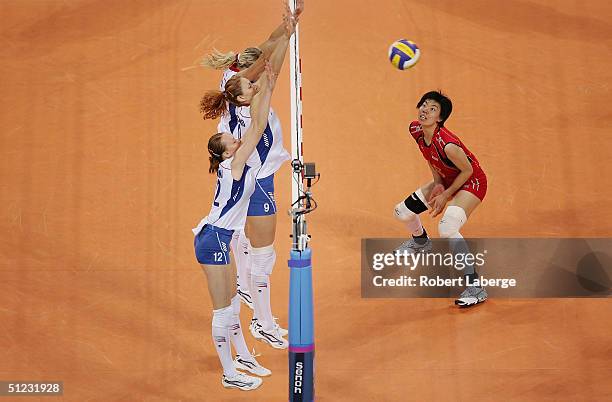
x=290, y=21
x=299, y=9
x=270, y=74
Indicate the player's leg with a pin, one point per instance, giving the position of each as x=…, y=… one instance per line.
x=240, y=247
x=408, y=212
x=461, y=207
x=212, y=252
x=261, y=223
x=244, y=359
x=261, y=230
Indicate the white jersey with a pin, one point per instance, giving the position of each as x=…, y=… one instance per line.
x=231, y=202
x=270, y=152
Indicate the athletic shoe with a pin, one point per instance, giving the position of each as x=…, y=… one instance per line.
x=251, y=365
x=412, y=247
x=241, y=381
x=272, y=337
x=255, y=324
x=471, y=296
x=281, y=330
x=245, y=297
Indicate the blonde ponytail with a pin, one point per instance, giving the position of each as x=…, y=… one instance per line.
x=248, y=57
x=218, y=60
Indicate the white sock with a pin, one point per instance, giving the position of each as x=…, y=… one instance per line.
x=410, y=219
x=414, y=225
x=240, y=246
x=221, y=338
x=262, y=263
x=236, y=335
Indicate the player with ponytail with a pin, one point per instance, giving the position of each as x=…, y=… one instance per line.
x=254, y=246
x=236, y=179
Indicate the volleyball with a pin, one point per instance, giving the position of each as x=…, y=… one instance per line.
x=404, y=54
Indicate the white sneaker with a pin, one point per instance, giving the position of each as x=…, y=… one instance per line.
x=245, y=297
x=471, y=296
x=255, y=324
x=281, y=330
x=241, y=381
x=272, y=338
x=251, y=365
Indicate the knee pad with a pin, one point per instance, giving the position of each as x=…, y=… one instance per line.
x=262, y=260
x=413, y=205
x=453, y=219
x=222, y=317
x=403, y=213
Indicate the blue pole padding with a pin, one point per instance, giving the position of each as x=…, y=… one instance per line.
x=301, y=327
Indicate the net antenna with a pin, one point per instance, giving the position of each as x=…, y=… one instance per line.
x=301, y=198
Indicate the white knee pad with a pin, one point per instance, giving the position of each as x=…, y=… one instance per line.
x=451, y=222
x=222, y=317
x=262, y=260
x=403, y=213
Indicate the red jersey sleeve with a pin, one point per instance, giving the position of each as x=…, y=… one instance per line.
x=415, y=130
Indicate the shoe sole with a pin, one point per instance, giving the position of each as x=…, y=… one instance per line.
x=246, y=370
x=265, y=340
x=271, y=344
x=242, y=367
x=230, y=386
x=233, y=386
x=458, y=303
x=282, y=332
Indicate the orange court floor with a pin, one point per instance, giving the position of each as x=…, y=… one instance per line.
x=105, y=171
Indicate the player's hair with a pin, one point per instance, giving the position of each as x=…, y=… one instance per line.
x=221, y=61
x=212, y=104
x=215, y=149
x=446, y=106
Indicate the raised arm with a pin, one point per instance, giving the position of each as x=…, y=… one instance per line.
x=286, y=28
x=279, y=38
x=260, y=109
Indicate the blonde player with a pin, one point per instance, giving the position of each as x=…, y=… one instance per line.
x=236, y=178
x=255, y=255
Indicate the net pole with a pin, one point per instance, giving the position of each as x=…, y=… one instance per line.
x=301, y=323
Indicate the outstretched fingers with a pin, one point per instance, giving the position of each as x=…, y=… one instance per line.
x=270, y=74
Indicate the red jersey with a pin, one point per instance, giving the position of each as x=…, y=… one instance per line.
x=435, y=154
